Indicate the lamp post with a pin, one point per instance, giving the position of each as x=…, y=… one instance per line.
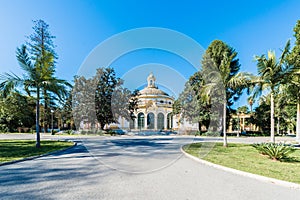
x=52, y=111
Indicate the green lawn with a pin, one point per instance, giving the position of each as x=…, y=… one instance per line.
x=244, y=157
x=17, y=149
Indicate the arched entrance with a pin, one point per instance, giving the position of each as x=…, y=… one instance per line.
x=150, y=121
x=160, y=121
x=141, y=120
x=169, y=121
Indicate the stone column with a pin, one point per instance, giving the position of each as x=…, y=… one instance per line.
x=165, y=121
x=122, y=122
x=136, y=123
x=145, y=121
x=171, y=121
x=155, y=121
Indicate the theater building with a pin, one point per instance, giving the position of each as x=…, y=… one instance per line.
x=154, y=108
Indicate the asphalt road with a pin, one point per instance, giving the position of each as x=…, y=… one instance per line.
x=129, y=168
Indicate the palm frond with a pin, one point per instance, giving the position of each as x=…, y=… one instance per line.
x=285, y=52
x=57, y=86
x=24, y=61
x=9, y=83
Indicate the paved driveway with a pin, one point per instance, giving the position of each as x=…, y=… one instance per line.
x=129, y=168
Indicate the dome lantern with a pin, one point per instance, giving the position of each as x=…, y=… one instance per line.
x=151, y=80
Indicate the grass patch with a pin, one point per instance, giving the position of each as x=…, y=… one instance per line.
x=17, y=149
x=246, y=158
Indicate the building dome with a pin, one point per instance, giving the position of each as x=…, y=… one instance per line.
x=151, y=88
x=152, y=91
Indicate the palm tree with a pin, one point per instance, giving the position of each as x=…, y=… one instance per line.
x=238, y=82
x=272, y=73
x=38, y=75
x=222, y=80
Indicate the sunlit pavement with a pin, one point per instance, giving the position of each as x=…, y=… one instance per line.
x=125, y=167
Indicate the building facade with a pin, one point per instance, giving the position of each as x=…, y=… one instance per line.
x=154, y=110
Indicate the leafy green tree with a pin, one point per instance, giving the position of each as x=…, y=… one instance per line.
x=107, y=83
x=287, y=120
x=133, y=104
x=261, y=116
x=220, y=67
x=242, y=109
x=271, y=74
x=83, y=100
x=294, y=85
x=64, y=114
x=190, y=105
x=16, y=111
x=38, y=66
x=284, y=103
x=294, y=98
x=101, y=99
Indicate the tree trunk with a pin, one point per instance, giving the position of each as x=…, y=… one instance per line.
x=199, y=126
x=224, y=125
x=278, y=125
x=45, y=112
x=102, y=126
x=272, y=119
x=298, y=123
x=37, y=122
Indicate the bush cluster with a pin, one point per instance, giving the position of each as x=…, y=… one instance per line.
x=275, y=151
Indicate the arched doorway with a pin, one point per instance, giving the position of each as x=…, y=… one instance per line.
x=160, y=121
x=141, y=120
x=169, y=121
x=150, y=121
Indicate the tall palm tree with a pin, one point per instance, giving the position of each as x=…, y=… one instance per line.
x=239, y=81
x=223, y=83
x=272, y=73
x=38, y=75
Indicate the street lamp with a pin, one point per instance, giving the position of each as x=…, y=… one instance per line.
x=52, y=111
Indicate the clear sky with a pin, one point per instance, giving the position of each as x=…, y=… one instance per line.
x=251, y=27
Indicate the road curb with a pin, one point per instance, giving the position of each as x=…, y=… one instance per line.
x=242, y=173
x=38, y=156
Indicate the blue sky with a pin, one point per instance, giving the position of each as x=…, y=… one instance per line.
x=251, y=27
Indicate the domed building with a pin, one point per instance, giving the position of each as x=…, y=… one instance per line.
x=154, y=113
x=154, y=108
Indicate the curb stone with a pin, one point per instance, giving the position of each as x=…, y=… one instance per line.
x=38, y=156
x=242, y=173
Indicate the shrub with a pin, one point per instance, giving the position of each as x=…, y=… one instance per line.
x=111, y=132
x=212, y=134
x=274, y=151
x=69, y=132
x=198, y=133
